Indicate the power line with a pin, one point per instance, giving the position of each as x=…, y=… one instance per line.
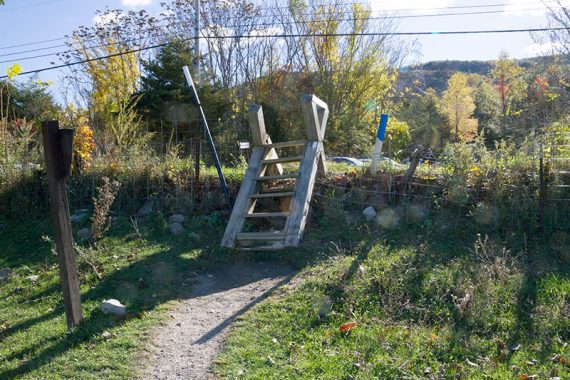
x=28, y=6
x=271, y=14
x=300, y=35
x=252, y=25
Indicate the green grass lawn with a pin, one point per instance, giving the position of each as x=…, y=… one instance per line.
x=148, y=275
x=422, y=297
x=427, y=301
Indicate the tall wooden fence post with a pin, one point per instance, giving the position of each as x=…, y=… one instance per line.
x=316, y=115
x=57, y=154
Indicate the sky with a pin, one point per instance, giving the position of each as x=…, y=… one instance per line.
x=27, y=21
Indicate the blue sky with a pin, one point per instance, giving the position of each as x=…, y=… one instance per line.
x=25, y=21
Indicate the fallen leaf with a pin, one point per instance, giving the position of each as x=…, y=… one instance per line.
x=347, y=326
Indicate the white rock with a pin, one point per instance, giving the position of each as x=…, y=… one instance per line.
x=5, y=274
x=84, y=234
x=176, y=228
x=369, y=213
x=32, y=278
x=112, y=306
x=177, y=218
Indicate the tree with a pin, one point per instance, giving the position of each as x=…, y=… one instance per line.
x=559, y=19
x=110, y=51
x=422, y=112
x=458, y=106
x=487, y=105
x=163, y=86
x=397, y=137
x=508, y=78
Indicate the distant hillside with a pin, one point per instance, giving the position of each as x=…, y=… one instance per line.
x=436, y=74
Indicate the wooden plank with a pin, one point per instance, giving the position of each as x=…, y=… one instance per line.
x=59, y=210
x=300, y=204
x=285, y=144
x=287, y=189
x=260, y=137
x=268, y=215
x=257, y=125
x=315, y=115
x=282, y=160
x=272, y=247
x=251, y=236
x=273, y=195
x=243, y=201
x=276, y=177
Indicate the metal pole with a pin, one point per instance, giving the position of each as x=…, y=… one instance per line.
x=197, y=45
x=208, y=135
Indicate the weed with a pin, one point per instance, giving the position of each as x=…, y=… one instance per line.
x=100, y=220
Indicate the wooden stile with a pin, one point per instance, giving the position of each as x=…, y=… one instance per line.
x=265, y=166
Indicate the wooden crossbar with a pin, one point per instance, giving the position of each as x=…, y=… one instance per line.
x=282, y=160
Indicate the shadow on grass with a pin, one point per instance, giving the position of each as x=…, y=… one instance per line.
x=141, y=286
x=163, y=276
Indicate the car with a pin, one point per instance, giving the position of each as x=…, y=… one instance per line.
x=347, y=160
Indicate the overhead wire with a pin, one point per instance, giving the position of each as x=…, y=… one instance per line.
x=389, y=13
x=246, y=26
x=299, y=35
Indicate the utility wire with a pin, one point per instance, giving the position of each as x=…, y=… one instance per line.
x=346, y=5
x=247, y=26
x=300, y=35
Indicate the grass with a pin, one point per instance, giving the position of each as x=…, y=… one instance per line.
x=148, y=275
x=426, y=297
x=429, y=300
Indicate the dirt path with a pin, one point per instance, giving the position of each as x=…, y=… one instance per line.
x=185, y=347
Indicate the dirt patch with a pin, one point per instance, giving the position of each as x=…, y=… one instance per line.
x=185, y=346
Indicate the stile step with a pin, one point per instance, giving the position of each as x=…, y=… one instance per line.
x=276, y=177
x=273, y=195
x=282, y=160
x=285, y=144
x=267, y=215
x=250, y=236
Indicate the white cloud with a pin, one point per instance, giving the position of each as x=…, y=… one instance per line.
x=106, y=18
x=531, y=8
x=415, y=6
x=542, y=48
x=135, y=3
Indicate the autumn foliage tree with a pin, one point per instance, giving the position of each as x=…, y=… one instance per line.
x=509, y=81
x=457, y=105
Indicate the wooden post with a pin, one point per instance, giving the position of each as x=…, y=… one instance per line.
x=260, y=137
x=316, y=114
x=542, y=188
x=57, y=154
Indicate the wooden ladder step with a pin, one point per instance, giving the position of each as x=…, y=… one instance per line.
x=267, y=215
x=285, y=144
x=282, y=160
x=272, y=247
x=250, y=236
x=273, y=195
x=276, y=177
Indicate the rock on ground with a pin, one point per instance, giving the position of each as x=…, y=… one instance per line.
x=112, y=306
x=176, y=228
x=84, y=234
x=5, y=274
x=177, y=218
x=369, y=213
x=185, y=347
